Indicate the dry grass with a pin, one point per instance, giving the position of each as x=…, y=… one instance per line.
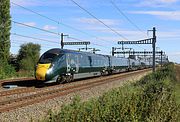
x=177, y=69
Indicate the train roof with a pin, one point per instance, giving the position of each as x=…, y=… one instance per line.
x=61, y=51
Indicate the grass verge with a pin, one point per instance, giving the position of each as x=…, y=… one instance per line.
x=153, y=98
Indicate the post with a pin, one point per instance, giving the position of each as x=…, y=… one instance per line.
x=161, y=57
x=145, y=54
x=86, y=46
x=123, y=48
x=62, y=43
x=62, y=40
x=154, y=48
x=94, y=50
x=112, y=51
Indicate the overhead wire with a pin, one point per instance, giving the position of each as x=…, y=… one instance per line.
x=82, y=40
x=35, y=12
x=15, y=42
x=126, y=17
x=48, y=31
x=25, y=36
x=58, y=22
x=23, y=24
x=99, y=20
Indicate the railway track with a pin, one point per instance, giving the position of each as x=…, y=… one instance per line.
x=55, y=91
x=15, y=80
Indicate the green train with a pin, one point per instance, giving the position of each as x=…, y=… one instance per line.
x=62, y=65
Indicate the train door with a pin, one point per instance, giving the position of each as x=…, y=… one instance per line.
x=90, y=60
x=129, y=64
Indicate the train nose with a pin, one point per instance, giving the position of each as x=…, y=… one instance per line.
x=41, y=71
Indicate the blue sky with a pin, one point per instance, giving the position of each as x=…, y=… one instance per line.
x=146, y=14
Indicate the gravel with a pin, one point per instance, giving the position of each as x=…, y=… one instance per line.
x=38, y=111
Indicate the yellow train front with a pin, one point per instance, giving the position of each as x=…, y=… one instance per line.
x=50, y=65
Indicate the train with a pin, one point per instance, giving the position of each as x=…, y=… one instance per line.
x=63, y=65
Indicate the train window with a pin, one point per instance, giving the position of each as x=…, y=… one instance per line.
x=84, y=61
x=47, y=57
x=61, y=58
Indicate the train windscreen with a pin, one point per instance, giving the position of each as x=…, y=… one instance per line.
x=48, y=57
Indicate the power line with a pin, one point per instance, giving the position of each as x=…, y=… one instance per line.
x=119, y=10
x=25, y=36
x=83, y=41
x=27, y=41
x=99, y=20
x=91, y=42
x=48, y=31
x=33, y=38
x=15, y=42
x=57, y=22
x=27, y=9
x=19, y=23
x=35, y=12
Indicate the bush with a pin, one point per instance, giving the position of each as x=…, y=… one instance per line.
x=6, y=70
x=150, y=99
x=28, y=56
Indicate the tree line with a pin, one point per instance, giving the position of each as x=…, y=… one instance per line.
x=14, y=65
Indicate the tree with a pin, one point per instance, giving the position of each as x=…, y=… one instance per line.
x=28, y=56
x=5, y=27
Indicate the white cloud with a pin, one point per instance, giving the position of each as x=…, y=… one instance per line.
x=127, y=33
x=167, y=15
x=169, y=34
x=93, y=21
x=156, y=3
x=174, y=54
x=30, y=23
x=26, y=2
x=27, y=23
x=49, y=27
x=42, y=3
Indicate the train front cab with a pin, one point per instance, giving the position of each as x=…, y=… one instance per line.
x=46, y=68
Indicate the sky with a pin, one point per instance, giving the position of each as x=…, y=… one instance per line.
x=102, y=22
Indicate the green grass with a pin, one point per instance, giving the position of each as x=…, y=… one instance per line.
x=177, y=93
x=151, y=99
x=177, y=84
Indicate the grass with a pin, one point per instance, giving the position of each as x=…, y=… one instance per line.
x=177, y=84
x=150, y=99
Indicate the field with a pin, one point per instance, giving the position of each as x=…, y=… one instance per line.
x=153, y=98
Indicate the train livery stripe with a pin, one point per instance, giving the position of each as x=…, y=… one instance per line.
x=41, y=71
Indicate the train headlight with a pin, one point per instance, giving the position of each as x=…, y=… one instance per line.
x=50, y=69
